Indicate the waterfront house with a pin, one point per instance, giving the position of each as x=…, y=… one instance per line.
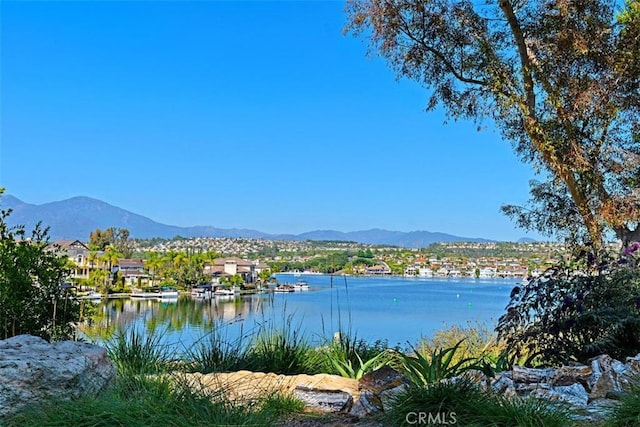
x=378, y=269
x=78, y=254
x=131, y=270
x=225, y=267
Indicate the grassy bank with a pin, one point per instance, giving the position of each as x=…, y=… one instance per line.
x=145, y=394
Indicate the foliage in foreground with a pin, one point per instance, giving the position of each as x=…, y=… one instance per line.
x=477, y=340
x=423, y=370
x=462, y=403
x=574, y=313
x=135, y=353
x=348, y=356
x=153, y=402
x=217, y=352
x=627, y=414
x=32, y=300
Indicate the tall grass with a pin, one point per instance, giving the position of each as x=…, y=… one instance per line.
x=281, y=349
x=217, y=352
x=479, y=340
x=470, y=406
x=157, y=401
x=136, y=353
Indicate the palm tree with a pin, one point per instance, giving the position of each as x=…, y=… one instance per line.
x=154, y=262
x=111, y=257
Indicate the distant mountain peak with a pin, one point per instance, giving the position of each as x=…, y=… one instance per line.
x=77, y=217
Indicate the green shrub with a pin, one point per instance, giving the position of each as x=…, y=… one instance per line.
x=32, y=300
x=462, y=403
x=627, y=414
x=348, y=356
x=477, y=341
x=573, y=313
x=346, y=368
x=422, y=370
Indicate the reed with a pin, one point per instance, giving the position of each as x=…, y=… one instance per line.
x=137, y=353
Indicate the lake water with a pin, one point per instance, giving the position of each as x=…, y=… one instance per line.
x=399, y=310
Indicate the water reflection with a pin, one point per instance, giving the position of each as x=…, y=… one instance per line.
x=399, y=310
x=185, y=313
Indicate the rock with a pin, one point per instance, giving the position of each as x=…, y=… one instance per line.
x=605, y=376
x=503, y=384
x=33, y=370
x=367, y=404
x=595, y=411
x=633, y=364
x=388, y=397
x=322, y=391
x=567, y=375
x=521, y=374
x=381, y=379
x=324, y=400
x=574, y=394
x=377, y=388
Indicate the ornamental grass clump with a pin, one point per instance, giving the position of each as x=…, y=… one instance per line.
x=465, y=404
x=279, y=349
x=576, y=311
x=217, y=352
x=627, y=413
x=154, y=401
x=137, y=353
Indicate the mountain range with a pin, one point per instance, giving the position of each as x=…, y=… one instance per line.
x=76, y=217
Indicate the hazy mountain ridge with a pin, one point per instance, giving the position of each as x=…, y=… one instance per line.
x=76, y=217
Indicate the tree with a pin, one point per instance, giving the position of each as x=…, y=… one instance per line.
x=559, y=78
x=33, y=299
x=265, y=275
x=117, y=238
x=153, y=263
x=110, y=257
x=573, y=312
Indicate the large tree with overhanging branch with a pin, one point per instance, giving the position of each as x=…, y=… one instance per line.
x=560, y=80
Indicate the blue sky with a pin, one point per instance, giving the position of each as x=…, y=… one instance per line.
x=257, y=115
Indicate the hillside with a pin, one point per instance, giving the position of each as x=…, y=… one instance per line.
x=76, y=217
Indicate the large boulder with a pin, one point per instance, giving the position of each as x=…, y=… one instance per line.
x=323, y=392
x=33, y=370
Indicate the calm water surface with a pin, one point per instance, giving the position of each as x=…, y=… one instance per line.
x=399, y=310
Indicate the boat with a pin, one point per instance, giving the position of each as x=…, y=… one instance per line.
x=144, y=295
x=93, y=296
x=301, y=285
x=284, y=288
x=223, y=292
x=163, y=292
x=167, y=292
